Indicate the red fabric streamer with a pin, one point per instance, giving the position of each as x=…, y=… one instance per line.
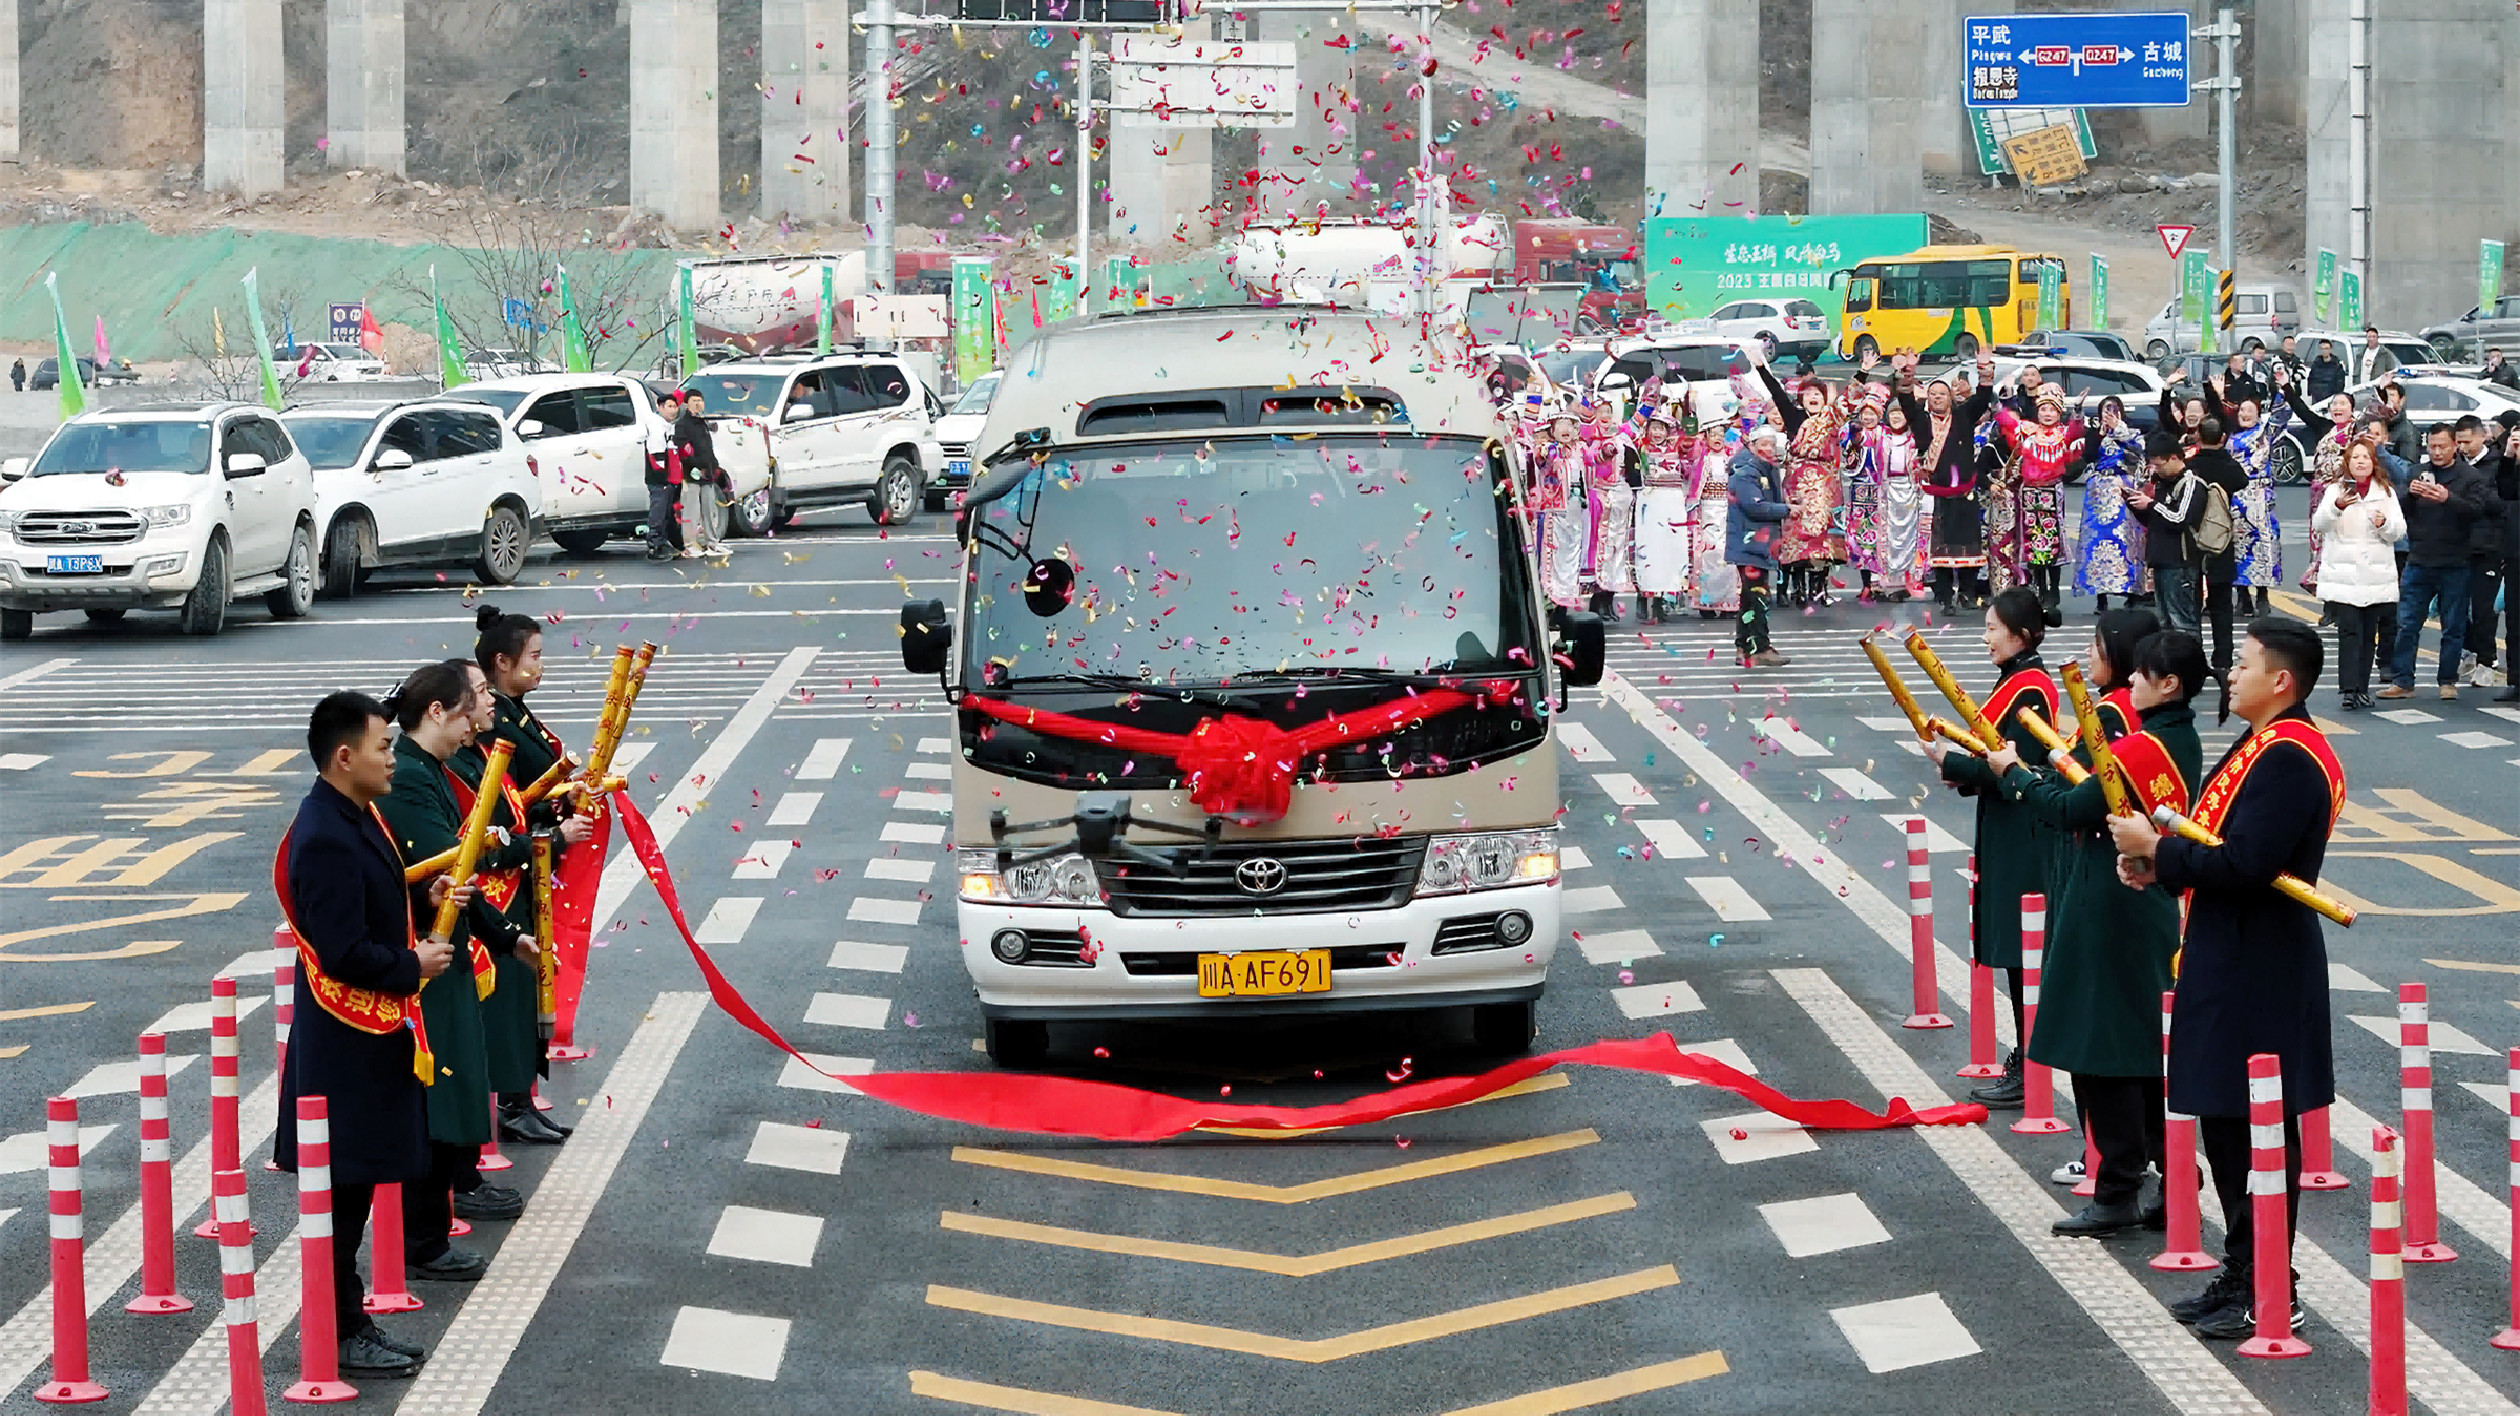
x=1065, y=1106
x=1242, y=767
x=574, y=881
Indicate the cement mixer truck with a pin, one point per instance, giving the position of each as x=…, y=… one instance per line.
x=1361, y=263
x=750, y=305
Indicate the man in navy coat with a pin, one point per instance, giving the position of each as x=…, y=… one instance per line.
x=360, y=966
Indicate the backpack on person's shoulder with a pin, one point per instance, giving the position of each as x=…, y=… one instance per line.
x=2215, y=528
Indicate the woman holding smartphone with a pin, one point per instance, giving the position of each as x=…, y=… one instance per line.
x=2358, y=522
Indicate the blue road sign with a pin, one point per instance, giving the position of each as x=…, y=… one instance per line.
x=345, y=321
x=2077, y=61
x=516, y=312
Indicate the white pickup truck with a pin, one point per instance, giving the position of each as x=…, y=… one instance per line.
x=589, y=435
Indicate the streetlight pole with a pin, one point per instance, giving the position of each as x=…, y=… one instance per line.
x=1085, y=170
x=1431, y=218
x=879, y=146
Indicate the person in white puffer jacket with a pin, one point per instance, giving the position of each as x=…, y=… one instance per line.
x=2359, y=522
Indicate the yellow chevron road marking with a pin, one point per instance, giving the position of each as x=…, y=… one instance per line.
x=1016, y=1399
x=1577, y=1396
x=1403, y=1174
x=1545, y=1082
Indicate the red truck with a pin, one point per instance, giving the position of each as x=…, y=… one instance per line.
x=1604, y=259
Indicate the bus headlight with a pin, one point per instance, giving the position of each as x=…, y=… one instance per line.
x=1487, y=861
x=1060, y=880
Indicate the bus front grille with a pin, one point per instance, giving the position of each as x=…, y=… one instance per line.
x=1310, y=877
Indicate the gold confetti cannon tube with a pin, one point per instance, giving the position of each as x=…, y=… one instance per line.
x=2104, y=762
x=476, y=830
x=546, y=961
x=1971, y=715
x=616, y=725
x=1925, y=727
x=2059, y=755
x=2288, y=885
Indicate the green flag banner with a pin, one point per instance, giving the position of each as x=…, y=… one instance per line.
x=687, y=339
x=450, y=349
x=2349, y=315
x=2099, y=292
x=1067, y=281
x=2051, y=294
x=576, y=356
x=2489, y=264
x=73, y=392
x=824, y=309
x=262, y=340
x=2323, y=287
x=975, y=319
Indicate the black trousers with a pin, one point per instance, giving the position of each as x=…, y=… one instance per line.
x=2358, y=641
x=1750, y=623
x=2485, y=577
x=351, y=1204
x=428, y=1207
x=2225, y=1140
x=2123, y=1115
x=2218, y=595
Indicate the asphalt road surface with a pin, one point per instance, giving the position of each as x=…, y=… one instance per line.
x=729, y=1231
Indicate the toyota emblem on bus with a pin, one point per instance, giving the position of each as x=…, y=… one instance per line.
x=1260, y=876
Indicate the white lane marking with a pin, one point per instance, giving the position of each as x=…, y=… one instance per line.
x=794, y=809
x=5, y=1216
x=1855, y=784
x=2482, y=1213
x=801, y=1077
x=1590, y=900
x=727, y=920
x=1898, y=1333
x=253, y=963
x=823, y=763
x=1937, y=840
x=2445, y=1038
x=1888, y=725
x=631, y=754
x=26, y=676
x=1581, y=744
x=923, y=801
x=935, y=744
x=2492, y=1094
x=2474, y=740
x=1722, y=1049
x=197, y=1385
x=867, y=958
x=27, y=1151
x=929, y=772
x=1724, y=895
x=1624, y=790
x=1823, y=1224
x=1670, y=839
x=1789, y=737
x=2512, y=713
x=2409, y=716
x=194, y=1017
x=916, y=833
x=115, y=1078
x=465, y=1363
x=762, y=862
x=766, y=1236
x=873, y=909
x=893, y=868
x=1656, y=1000
x=813, y=1149
x=2172, y=1358
x=1617, y=946
x=849, y=1010
x=737, y=1344
x=21, y=761
x=2345, y=978
x=1763, y=1137
x=1574, y=858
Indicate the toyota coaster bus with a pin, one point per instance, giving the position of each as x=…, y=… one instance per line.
x=1253, y=682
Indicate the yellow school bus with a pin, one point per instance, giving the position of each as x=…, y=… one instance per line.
x=1947, y=300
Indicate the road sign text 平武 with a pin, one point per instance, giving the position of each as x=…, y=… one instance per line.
x=2077, y=61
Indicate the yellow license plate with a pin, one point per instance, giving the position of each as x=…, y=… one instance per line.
x=1264, y=973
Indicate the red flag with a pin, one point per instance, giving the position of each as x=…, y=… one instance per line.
x=371, y=336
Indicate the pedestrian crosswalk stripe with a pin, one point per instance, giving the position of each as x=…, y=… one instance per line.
x=916, y=833
x=737, y=1344
x=631, y=754
x=1573, y=858
x=929, y=744
x=1823, y=1224
x=29, y=1151
x=1722, y=1049
x=1789, y=737
x=762, y=862
x=116, y=1078
x=2511, y=713
x=2445, y=1038
x=1656, y=1000
x=923, y=801
x=766, y=1236
x=848, y=1010
x=193, y=1017
x=1937, y=840
x=823, y=763
x=2455, y=1197
x=917, y=872
x=874, y=909
x=20, y=762
x=1763, y=1136
x=727, y=920
x=1590, y=900
x=1724, y=895
x=1616, y=946
x=868, y=958
x=1855, y=784
x=2345, y=978
x=1581, y=744
x=814, y=1149
x=799, y=1076
x=795, y=809
x=929, y=772
x=1670, y=839
x=1904, y=1332
x=2475, y=740
x=2408, y=716
x=1888, y=725
x=1623, y=789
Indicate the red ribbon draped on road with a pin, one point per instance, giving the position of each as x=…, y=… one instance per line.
x=1242, y=767
x=1066, y=1106
x=574, y=883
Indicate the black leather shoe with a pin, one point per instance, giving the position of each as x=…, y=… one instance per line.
x=490, y=1202
x=2157, y=1217
x=454, y=1265
x=2221, y=1291
x=2004, y=1093
x=366, y=1358
x=391, y=1343
x=527, y=1126
x=2096, y=1220
x=2237, y=1322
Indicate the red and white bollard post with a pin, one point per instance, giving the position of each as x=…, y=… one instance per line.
x=236, y=1281
x=223, y=1102
x=2089, y=1184
x=319, y=1341
x=490, y=1157
x=1926, y=995
x=2509, y=1338
x=2388, y=1281
x=283, y=1007
x=2270, y=1247
x=2038, y=1085
x=1983, y=1061
x=2423, y=1222
x=157, y=1188
x=2183, y=1247
x=386, y=1292
x=2318, y=1154
x=70, y=1381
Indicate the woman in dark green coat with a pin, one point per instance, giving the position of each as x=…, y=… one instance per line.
x=433, y=709
x=2110, y=947
x=2015, y=853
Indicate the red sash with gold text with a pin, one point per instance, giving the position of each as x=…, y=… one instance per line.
x=371, y=1012
x=2031, y=688
x=2215, y=802
x=499, y=887
x=2148, y=769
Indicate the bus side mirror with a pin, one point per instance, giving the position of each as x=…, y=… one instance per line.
x=1583, y=645
x=927, y=638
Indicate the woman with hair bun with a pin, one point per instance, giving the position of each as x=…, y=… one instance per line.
x=2016, y=852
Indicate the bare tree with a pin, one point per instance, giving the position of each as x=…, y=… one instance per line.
x=513, y=254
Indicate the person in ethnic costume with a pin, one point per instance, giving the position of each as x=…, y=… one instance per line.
x=2025, y=505
x=1715, y=583
x=2110, y=949
x=1610, y=516
x=1885, y=509
x=1667, y=460
x=2014, y=851
x=2253, y=969
x=1560, y=467
x=2257, y=542
x=1946, y=440
x=1813, y=539
x=2110, y=560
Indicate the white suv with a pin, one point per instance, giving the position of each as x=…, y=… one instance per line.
x=848, y=428
x=439, y=482
x=316, y=361
x=167, y=506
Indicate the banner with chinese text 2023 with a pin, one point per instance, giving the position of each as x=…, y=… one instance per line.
x=975, y=319
x=1697, y=265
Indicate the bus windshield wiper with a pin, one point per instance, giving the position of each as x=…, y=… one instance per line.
x=1115, y=683
x=1361, y=674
